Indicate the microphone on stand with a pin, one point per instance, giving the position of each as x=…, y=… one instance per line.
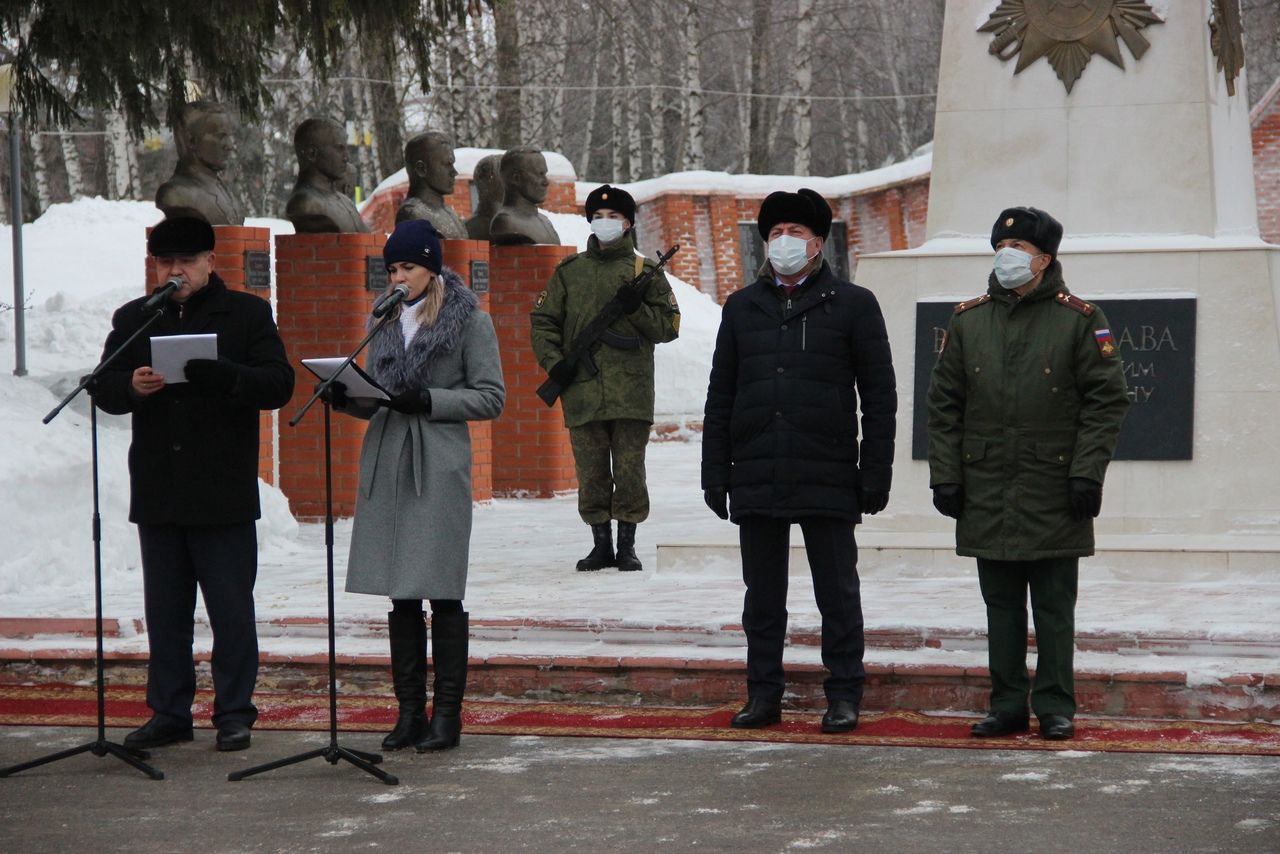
x=390, y=300
x=161, y=294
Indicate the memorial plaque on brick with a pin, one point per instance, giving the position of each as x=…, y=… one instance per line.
x=257, y=270
x=1157, y=341
x=480, y=276
x=375, y=273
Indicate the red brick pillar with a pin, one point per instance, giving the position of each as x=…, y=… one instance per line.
x=323, y=303
x=231, y=243
x=465, y=257
x=531, y=453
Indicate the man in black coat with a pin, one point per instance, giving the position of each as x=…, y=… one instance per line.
x=193, y=474
x=795, y=352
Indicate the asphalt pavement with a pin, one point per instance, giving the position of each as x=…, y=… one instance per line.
x=499, y=793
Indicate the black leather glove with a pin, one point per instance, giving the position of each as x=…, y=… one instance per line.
x=1084, y=497
x=872, y=501
x=717, y=498
x=335, y=395
x=411, y=402
x=562, y=373
x=629, y=299
x=948, y=498
x=212, y=375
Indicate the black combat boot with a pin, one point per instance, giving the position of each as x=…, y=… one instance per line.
x=409, y=674
x=602, y=552
x=449, y=636
x=627, y=560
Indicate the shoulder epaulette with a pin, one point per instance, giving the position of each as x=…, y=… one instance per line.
x=972, y=303
x=568, y=259
x=1074, y=303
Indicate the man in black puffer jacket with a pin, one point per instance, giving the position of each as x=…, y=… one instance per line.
x=795, y=352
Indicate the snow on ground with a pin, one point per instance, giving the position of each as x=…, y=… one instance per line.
x=85, y=258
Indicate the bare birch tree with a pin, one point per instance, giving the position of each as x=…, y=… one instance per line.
x=802, y=83
x=694, y=154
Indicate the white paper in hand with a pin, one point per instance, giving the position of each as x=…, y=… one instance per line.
x=358, y=383
x=170, y=354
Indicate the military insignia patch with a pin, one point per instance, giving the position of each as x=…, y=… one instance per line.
x=1106, y=343
x=542, y=297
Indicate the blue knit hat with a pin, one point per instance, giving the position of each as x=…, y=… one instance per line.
x=417, y=242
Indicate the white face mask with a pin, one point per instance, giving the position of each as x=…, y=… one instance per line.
x=1013, y=267
x=607, y=230
x=789, y=254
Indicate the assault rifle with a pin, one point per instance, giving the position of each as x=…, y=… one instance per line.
x=598, y=329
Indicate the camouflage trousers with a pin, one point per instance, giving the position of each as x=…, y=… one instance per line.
x=609, y=459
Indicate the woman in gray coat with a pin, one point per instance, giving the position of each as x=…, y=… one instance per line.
x=438, y=359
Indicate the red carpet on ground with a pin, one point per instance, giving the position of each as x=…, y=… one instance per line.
x=73, y=705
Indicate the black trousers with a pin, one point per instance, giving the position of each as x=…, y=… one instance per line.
x=833, y=562
x=1052, y=584
x=223, y=561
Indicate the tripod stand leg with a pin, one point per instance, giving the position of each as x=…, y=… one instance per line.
x=354, y=758
x=371, y=758
x=279, y=763
x=97, y=748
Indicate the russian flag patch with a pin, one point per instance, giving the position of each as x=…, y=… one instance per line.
x=1106, y=344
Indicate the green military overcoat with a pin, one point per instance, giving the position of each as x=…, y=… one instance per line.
x=1026, y=393
x=577, y=291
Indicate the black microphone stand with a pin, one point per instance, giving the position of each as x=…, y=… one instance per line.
x=334, y=751
x=100, y=746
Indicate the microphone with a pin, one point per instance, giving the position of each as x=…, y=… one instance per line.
x=161, y=294
x=390, y=300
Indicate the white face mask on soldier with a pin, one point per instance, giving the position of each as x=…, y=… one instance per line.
x=1013, y=267
x=607, y=230
x=788, y=254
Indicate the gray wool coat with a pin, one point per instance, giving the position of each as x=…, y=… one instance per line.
x=412, y=528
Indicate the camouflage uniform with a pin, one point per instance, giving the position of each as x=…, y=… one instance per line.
x=608, y=413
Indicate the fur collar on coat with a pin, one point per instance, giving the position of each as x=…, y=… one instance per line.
x=398, y=369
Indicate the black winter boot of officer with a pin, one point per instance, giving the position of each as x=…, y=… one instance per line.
x=408, y=636
x=449, y=642
x=602, y=552
x=627, y=560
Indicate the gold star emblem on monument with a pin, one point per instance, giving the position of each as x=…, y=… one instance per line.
x=1068, y=32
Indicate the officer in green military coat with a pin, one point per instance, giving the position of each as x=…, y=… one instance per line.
x=1025, y=406
x=609, y=410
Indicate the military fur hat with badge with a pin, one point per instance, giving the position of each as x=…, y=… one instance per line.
x=1030, y=224
x=415, y=241
x=611, y=198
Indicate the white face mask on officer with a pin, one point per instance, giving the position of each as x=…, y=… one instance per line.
x=1013, y=267
x=607, y=230
x=788, y=254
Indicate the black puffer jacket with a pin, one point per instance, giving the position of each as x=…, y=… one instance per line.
x=781, y=424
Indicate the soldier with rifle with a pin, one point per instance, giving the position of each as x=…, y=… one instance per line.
x=594, y=328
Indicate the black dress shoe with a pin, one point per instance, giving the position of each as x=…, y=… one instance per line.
x=1001, y=723
x=1056, y=727
x=757, y=713
x=233, y=736
x=841, y=716
x=157, y=732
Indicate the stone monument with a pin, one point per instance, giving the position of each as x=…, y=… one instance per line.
x=487, y=179
x=1146, y=160
x=318, y=204
x=205, y=142
x=428, y=160
x=524, y=175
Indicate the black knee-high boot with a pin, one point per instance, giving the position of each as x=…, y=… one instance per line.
x=408, y=634
x=449, y=641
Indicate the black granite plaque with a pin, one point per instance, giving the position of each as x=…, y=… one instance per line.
x=375, y=273
x=480, y=276
x=1157, y=341
x=257, y=270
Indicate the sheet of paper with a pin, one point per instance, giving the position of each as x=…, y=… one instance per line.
x=358, y=383
x=169, y=354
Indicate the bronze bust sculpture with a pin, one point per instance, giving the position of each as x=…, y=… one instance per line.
x=524, y=173
x=318, y=204
x=204, y=141
x=487, y=179
x=428, y=158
